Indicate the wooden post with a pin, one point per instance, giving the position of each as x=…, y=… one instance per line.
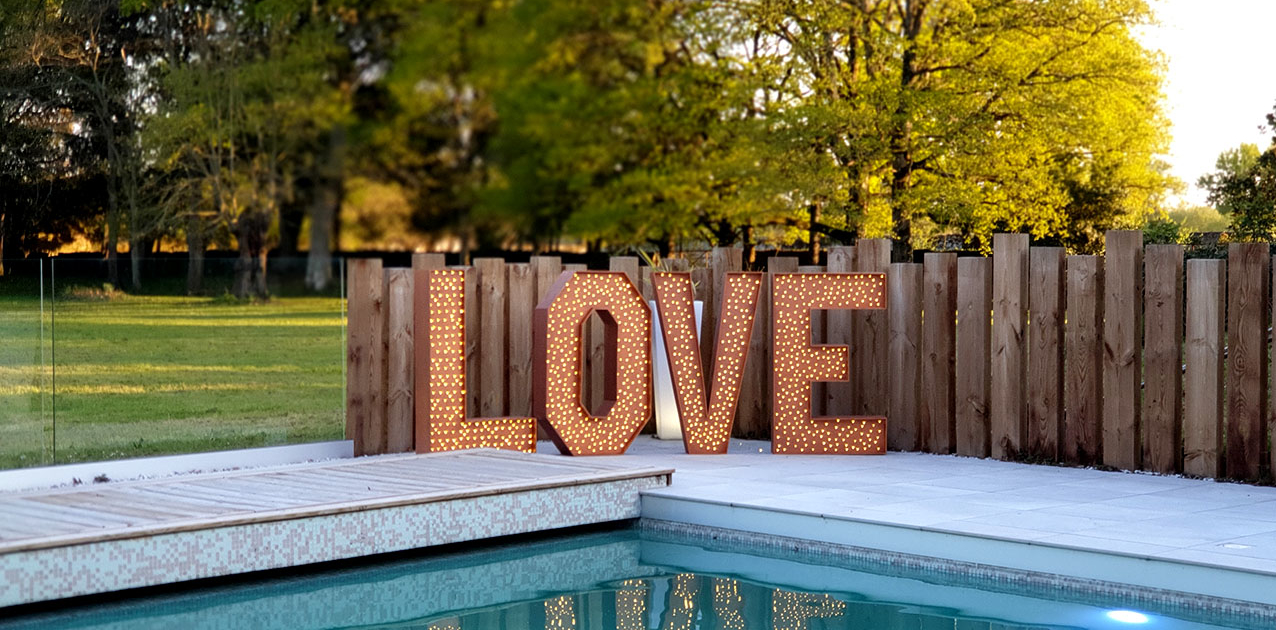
x=722, y=260
x=974, y=335
x=1203, y=356
x=871, y=338
x=937, y=409
x=1083, y=378
x=819, y=336
x=522, y=307
x=422, y=263
x=1163, y=359
x=838, y=326
x=904, y=311
x=1009, y=343
x=493, y=281
x=473, y=363
x=1248, y=310
x=365, y=358
x=546, y=269
x=400, y=428
x=775, y=264
x=1045, y=354
x=1123, y=344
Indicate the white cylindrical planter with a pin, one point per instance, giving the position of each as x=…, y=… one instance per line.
x=668, y=424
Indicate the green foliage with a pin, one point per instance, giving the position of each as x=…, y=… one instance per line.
x=1199, y=219
x=1163, y=231
x=1244, y=188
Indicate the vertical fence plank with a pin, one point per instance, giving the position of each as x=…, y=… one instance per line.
x=819, y=335
x=365, y=372
x=839, y=397
x=1083, y=375
x=473, y=360
x=939, y=311
x=1009, y=343
x=1122, y=342
x=626, y=264
x=871, y=337
x=399, y=369
x=1163, y=358
x=422, y=263
x=493, y=280
x=522, y=306
x=1270, y=442
x=774, y=265
x=722, y=260
x=546, y=269
x=1247, y=319
x=974, y=337
x=1045, y=351
x=904, y=304
x=1203, y=356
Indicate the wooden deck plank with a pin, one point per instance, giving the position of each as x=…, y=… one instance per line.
x=122, y=510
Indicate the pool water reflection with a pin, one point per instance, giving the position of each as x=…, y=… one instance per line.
x=617, y=580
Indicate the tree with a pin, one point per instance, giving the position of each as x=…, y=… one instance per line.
x=1244, y=188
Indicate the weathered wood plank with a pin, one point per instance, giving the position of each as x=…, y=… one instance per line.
x=1045, y=351
x=522, y=305
x=937, y=404
x=839, y=397
x=1123, y=348
x=493, y=294
x=473, y=336
x=871, y=338
x=1009, y=402
x=422, y=263
x=1248, y=313
x=775, y=264
x=1203, y=359
x=904, y=313
x=722, y=260
x=819, y=336
x=400, y=376
x=1083, y=376
x=365, y=357
x=1163, y=358
x=974, y=338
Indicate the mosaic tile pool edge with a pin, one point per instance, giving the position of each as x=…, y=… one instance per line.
x=109, y=566
x=1238, y=613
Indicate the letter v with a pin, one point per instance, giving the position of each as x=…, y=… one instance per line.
x=707, y=418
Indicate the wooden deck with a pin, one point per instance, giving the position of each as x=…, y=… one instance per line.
x=353, y=507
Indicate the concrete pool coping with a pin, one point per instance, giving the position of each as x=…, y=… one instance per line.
x=1164, y=532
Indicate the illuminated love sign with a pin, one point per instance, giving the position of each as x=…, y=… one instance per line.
x=557, y=370
x=446, y=427
x=796, y=363
x=706, y=410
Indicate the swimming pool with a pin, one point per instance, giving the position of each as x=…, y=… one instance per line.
x=645, y=578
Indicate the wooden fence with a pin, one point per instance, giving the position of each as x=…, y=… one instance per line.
x=1134, y=360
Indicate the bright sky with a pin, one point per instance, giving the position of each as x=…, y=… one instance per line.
x=1219, y=79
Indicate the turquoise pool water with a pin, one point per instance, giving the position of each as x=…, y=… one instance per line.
x=632, y=580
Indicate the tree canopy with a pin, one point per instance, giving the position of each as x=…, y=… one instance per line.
x=619, y=123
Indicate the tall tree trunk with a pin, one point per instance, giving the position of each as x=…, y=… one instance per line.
x=324, y=211
x=250, y=267
x=113, y=221
x=2, y=239
x=813, y=234
x=750, y=251
x=195, y=254
x=137, y=248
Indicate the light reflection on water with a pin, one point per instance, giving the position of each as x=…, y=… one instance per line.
x=606, y=581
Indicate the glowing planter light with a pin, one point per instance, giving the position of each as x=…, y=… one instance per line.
x=627, y=362
x=797, y=363
x=445, y=427
x=707, y=413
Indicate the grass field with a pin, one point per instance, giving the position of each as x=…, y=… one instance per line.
x=149, y=375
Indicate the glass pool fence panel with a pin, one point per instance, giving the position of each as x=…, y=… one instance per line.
x=177, y=363
x=26, y=437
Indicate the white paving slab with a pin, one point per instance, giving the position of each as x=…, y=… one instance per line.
x=1163, y=531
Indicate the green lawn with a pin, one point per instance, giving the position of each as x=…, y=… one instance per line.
x=143, y=375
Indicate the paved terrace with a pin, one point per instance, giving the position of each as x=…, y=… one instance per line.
x=1188, y=535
